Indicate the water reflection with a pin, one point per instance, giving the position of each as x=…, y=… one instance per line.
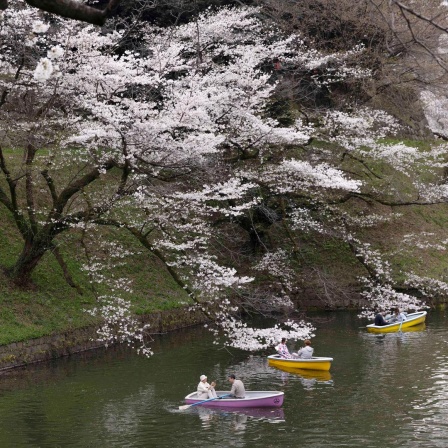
x=388, y=351
x=308, y=378
x=318, y=375
x=257, y=413
x=430, y=408
x=239, y=416
x=230, y=426
x=252, y=368
x=120, y=417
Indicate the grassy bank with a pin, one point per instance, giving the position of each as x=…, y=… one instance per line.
x=50, y=305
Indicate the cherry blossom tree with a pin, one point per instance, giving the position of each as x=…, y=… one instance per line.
x=175, y=144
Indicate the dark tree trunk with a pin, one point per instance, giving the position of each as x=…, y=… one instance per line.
x=32, y=252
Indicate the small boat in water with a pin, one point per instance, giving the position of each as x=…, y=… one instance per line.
x=253, y=399
x=314, y=363
x=412, y=320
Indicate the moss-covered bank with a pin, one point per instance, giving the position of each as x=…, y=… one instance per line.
x=19, y=354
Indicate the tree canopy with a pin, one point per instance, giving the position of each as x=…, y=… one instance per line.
x=178, y=140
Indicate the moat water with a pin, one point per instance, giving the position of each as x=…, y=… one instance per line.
x=386, y=390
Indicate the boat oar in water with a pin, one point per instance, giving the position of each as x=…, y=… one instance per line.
x=187, y=406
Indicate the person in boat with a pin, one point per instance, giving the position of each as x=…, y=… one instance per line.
x=306, y=352
x=282, y=349
x=206, y=390
x=398, y=316
x=237, y=390
x=379, y=319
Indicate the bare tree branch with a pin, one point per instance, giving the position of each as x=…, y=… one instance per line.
x=420, y=16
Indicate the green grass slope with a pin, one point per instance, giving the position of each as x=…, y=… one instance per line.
x=50, y=305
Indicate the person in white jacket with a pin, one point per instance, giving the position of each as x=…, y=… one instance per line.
x=206, y=390
x=307, y=351
x=398, y=316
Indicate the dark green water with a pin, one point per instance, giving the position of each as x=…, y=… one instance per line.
x=384, y=391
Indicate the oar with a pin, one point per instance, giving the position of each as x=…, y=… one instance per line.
x=186, y=406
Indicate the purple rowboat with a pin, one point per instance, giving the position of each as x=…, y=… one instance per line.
x=253, y=399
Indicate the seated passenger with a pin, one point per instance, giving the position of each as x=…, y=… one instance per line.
x=237, y=390
x=379, y=320
x=282, y=349
x=398, y=317
x=206, y=390
x=307, y=351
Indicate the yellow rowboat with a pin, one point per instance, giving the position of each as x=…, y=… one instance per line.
x=419, y=327
x=315, y=363
x=412, y=320
x=318, y=375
